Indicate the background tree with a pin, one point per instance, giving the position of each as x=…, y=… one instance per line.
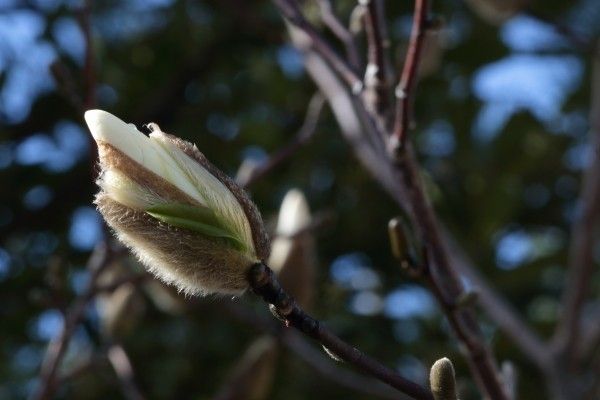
x=495, y=104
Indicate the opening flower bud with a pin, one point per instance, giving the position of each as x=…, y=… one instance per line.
x=187, y=222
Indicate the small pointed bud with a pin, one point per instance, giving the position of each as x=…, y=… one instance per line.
x=293, y=254
x=398, y=240
x=188, y=223
x=442, y=380
x=357, y=24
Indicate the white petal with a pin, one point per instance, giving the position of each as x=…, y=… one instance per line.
x=107, y=128
x=215, y=194
x=294, y=214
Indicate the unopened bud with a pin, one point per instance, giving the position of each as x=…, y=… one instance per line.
x=442, y=380
x=188, y=223
x=293, y=254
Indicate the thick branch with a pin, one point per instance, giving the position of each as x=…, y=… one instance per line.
x=263, y=282
x=408, y=79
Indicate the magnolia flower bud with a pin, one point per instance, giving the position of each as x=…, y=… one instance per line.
x=442, y=380
x=293, y=254
x=187, y=222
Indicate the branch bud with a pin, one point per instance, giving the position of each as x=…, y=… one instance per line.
x=293, y=254
x=442, y=380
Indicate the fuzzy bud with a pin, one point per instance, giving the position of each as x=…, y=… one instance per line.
x=187, y=222
x=442, y=380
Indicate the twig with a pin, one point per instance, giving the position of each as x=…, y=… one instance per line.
x=582, y=43
x=581, y=258
x=124, y=371
x=303, y=136
x=133, y=279
x=264, y=284
x=408, y=80
x=66, y=85
x=328, y=369
x=341, y=32
x=89, y=68
x=322, y=364
x=291, y=12
x=82, y=369
x=505, y=317
x=99, y=260
x=376, y=76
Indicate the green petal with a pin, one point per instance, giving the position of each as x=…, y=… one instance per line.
x=196, y=218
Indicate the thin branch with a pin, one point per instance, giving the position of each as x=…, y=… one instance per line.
x=134, y=279
x=579, y=41
x=57, y=348
x=341, y=32
x=446, y=282
x=498, y=309
x=581, y=257
x=66, y=85
x=264, y=284
x=89, y=68
x=326, y=367
x=303, y=136
x=124, y=371
x=86, y=367
x=321, y=363
x=290, y=11
x=408, y=80
x=376, y=75
x=590, y=336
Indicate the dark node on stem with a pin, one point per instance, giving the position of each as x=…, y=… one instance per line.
x=395, y=149
x=283, y=306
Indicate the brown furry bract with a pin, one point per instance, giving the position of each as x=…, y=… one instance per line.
x=197, y=264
